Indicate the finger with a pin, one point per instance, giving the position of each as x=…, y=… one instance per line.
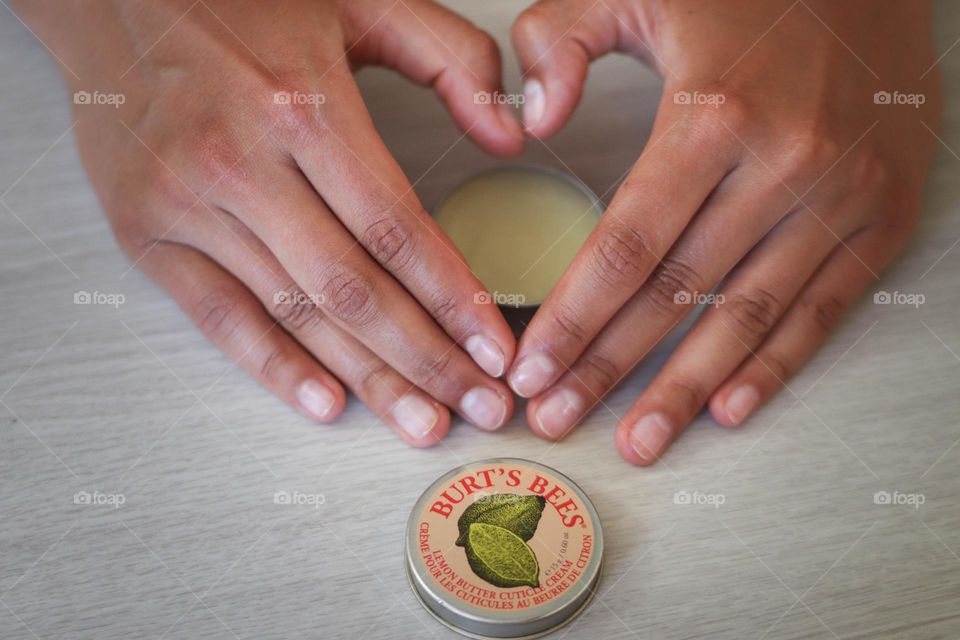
x=752, y=303
x=416, y=417
x=373, y=199
x=668, y=185
x=443, y=50
x=555, y=41
x=357, y=294
x=807, y=323
x=230, y=316
x=724, y=231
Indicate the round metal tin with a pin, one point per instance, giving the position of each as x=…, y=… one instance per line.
x=540, y=506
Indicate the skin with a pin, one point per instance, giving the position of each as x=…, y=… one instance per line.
x=783, y=183
x=282, y=225
x=771, y=173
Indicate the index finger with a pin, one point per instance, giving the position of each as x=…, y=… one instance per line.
x=663, y=191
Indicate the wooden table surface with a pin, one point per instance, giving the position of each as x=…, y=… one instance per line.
x=133, y=406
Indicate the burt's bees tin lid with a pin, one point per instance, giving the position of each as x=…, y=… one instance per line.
x=504, y=548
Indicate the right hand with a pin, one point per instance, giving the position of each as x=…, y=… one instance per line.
x=243, y=173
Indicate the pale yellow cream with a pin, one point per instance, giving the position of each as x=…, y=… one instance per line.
x=519, y=229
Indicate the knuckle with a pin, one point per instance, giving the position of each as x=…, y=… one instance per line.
x=296, y=312
x=825, y=311
x=670, y=281
x=218, y=314
x=532, y=25
x=690, y=392
x=390, y=242
x=722, y=113
x=813, y=151
x=347, y=296
x=621, y=255
x=444, y=309
x=219, y=158
x=601, y=369
x=272, y=364
x=292, y=104
x=433, y=372
x=869, y=173
x=566, y=322
x=753, y=313
x=375, y=378
x=776, y=365
x=484, y=46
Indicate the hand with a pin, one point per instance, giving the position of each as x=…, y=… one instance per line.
x=241, y=171
x=775, y=171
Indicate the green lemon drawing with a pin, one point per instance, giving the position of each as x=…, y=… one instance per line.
x=501, y=557
x=519, y=514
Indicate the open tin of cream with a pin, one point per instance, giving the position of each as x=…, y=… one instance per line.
x=504, y=548
x=519, y=227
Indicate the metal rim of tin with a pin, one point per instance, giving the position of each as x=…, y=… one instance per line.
x=596, y=203
x=468, y=620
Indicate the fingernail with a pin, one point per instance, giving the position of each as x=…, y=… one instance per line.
x=415, y=416
x=534, y=103
x=558, y=412
x=484, y=407
x=533, y=374
x=316, y=398
x=649, y=436
x=741, y=403
x=486, y=353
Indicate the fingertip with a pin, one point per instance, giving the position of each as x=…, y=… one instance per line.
x=323, y=402
x=733, y=404
x=644, y=442
x=547, y=106
x=487, y=407
x=439, y=431
x=498, y=133
x=556, y=413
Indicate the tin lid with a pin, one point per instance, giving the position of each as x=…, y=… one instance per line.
x=504, y=548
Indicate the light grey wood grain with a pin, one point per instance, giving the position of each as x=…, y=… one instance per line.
x=134, y=401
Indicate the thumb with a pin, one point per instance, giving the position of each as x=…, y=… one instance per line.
x=435, y=47
x=555, y=41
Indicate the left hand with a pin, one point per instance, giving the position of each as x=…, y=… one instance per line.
x=774, y=167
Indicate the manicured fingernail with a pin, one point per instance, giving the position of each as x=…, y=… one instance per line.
x=741, y=403
x=533, y=374
x=558, y=412
x=484, y=407
x=649, y=436
x=486, y=353
x=534, y=103
x=415, y=415
x=316, y=398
